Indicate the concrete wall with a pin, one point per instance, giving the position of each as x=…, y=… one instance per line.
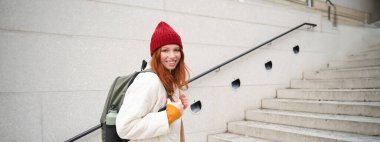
x=371, y=6
x=59, y=57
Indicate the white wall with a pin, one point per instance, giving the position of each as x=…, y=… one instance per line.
x=59, y=57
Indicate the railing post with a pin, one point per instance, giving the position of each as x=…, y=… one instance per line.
x=335, y=18
x=329, y=12
x=335, y=21
x=310, y=3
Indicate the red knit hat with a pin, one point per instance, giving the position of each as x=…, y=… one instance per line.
x=164, y=35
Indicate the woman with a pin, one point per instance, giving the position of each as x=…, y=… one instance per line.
x=138, y=118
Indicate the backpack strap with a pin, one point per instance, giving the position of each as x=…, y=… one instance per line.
x=133, y=78
x=143, y=65
x=135, y=75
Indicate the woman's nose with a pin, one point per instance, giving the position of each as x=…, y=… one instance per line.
x=171, y=54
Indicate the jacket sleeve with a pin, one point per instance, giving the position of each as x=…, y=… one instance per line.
x=136, y=118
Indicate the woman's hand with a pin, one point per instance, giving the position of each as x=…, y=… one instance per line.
x=184, y=101
x=177, y=104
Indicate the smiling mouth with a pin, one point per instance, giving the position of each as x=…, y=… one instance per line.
x=171, y=62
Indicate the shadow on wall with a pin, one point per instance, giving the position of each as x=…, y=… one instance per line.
x=375, y=17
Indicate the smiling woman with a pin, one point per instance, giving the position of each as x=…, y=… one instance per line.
x=139, y=118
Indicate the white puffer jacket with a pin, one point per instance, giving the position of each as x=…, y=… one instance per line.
x=139, y=119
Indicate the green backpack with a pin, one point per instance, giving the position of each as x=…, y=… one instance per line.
x=113, y=103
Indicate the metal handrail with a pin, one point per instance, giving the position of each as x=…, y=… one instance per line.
x=244, y=53
x=84, y=133
x=204, y=73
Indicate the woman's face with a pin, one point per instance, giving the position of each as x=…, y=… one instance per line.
x=170, y=56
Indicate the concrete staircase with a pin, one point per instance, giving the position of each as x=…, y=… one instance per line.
x=339, y=103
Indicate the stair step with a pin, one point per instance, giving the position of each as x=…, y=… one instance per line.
x=354, y=83
x=330, y=94
x=344, y=123
x=229, y=137
x=354, y=63
x=344, y=73
x=364, y=55
x=370, y=109
x=370, y=49
x=284, y=133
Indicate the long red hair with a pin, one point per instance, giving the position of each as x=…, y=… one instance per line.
x=176, y=78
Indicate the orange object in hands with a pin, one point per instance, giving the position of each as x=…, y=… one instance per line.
x=173, y=113
x=174, y=110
